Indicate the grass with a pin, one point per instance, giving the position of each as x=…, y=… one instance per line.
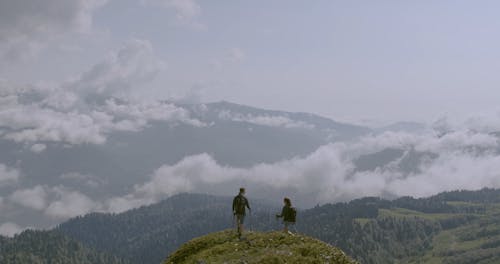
x=402, y=212
x=465, y=241
x=257, y=247
x=362, y=221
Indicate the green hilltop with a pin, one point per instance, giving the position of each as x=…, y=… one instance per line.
x=257, y=247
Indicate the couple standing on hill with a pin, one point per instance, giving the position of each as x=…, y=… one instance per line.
x=240, y=203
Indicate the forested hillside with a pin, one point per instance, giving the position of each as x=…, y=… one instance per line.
x=148, y=234
x=41, y=247
x=452, y=227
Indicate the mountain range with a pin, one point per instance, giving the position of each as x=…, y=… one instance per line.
x=232, y=134
x=105, y=154
x=451, y=227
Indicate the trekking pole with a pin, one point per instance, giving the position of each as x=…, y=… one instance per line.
x=249, y=220
x=235, y=223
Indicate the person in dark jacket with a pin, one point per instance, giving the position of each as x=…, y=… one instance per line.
x=289, y=214
x=240, y=203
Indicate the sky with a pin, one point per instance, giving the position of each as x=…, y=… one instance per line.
x=358, y=61
x=365, y=62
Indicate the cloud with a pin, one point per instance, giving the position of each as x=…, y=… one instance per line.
x=26, y=25
x=35, y=123
x=10, y=229
x=313, y=178
x=229, y=58
x=57, y=201
x=264, y=120
x=193, y=96
x=158, y=111
x=456, y=171
x=127, y=202
x=129, y=67
x=34, y=198
x=186, y=12
x=38, y=148
x=86, y=109
x=480, y=122
x=31, y=123
x=8, y=175
x=329, y=175
x=465, y=160
x=69, y=204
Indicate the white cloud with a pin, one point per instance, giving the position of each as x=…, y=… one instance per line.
x=77, y=111
x=314, y=177
x=38, y=148
x=480, y=122
x=10, y=229
x=328, y=174
x=57, y=202
x=151, y=111
x=30, y=123
x=456, y=171
x=34, y=123
x=127, y=202
x=131, y=66
x=26, y=25
x=34, y=198
x=69, y=204
x=264, y=120
x=8, y=175
x=458, y=139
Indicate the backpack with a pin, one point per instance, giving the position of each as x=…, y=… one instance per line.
x=291, y=215
x=239, y=204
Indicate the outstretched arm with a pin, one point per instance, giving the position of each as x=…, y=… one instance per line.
x=282, y=212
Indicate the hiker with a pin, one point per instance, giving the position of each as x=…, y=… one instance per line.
x=289, y=214
x=239, y=204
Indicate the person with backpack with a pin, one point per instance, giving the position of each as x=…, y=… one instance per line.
x=289, y=215
x=240, y=203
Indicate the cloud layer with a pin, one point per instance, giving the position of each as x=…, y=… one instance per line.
x=86, y=109
x=466, y=160
x=56, y=202
x=26, y=25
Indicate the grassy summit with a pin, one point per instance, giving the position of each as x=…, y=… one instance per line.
x=257, y=247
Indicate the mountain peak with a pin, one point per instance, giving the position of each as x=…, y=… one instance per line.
x=257, y=247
